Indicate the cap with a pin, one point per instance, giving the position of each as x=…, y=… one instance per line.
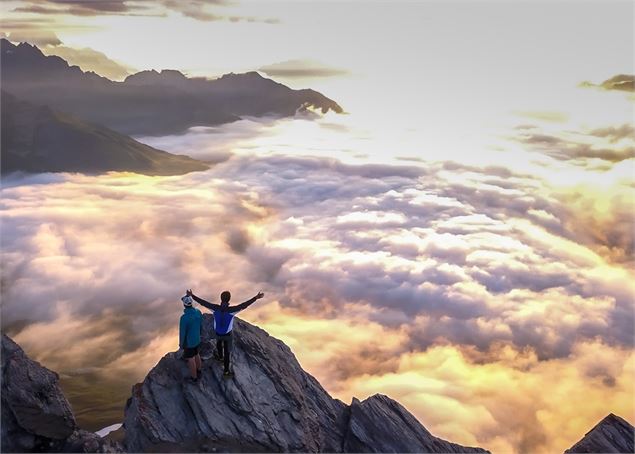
x=187, y=300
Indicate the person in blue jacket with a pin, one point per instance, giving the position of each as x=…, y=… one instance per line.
x=190, y=337
x=224, y=323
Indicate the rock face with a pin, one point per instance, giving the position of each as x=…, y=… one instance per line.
x=612, y=434
x=380, y=424
x=34, y=409
x=35, y=414
x=270, y=405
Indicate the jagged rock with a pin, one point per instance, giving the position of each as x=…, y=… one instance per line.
x=34, y=409
x=271, y=405
x=380, y=424
x=35, y=413
x=612, y=434
x=84, y=441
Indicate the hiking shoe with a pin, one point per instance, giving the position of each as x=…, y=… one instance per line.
x=191, y=380
x=199, y=374
x=228, y=374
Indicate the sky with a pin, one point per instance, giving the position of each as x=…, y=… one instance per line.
x=461, y=239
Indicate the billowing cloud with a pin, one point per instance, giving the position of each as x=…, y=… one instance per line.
x=299, y=69
x=34, y=35
x=77, y=7
x=615, y=133
x=513, y=404
x=571, y=150
x=548, y=115
x=386, y=236
x=621, y=82
x=90, y=60
x=203, y=10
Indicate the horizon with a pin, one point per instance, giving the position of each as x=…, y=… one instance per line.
x=460, y=239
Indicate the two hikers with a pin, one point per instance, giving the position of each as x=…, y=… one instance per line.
x=223, y=325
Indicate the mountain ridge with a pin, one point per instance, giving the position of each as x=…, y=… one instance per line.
x=36, y=138
x=148, y=102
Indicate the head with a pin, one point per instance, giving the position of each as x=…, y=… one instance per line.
x=225, y=297
x=187, y=301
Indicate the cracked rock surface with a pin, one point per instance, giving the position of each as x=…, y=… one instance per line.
x=36, y=417
x=270, y=405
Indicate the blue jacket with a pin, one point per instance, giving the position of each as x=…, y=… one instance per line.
x=190, y=328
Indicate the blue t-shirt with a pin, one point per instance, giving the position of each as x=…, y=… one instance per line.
x=223, y=321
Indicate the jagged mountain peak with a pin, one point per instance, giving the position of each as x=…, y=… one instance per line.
x=270, y=405
x=611, y=434
x=153, y=76
x=245, y=75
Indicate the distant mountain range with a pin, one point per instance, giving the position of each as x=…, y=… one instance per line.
x=38, y=139
x=149, y=102
x=58, y=118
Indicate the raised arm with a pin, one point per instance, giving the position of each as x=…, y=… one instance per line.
x=246, y=304
x=202, y=302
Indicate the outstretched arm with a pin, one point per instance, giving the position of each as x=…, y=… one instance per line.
x=246, y=304
x=202, y=302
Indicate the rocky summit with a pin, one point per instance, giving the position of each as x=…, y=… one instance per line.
x=612, y=434
x=36, y=417
x=270, y=405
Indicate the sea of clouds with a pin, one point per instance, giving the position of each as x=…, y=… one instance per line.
x=485, y=300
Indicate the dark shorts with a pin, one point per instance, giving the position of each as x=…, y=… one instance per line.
x=190, y=352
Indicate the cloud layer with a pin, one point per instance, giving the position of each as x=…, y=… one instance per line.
x=621, y=82
x=481, y=269
x=89, y=60
x=300, y=69
x=203, y=10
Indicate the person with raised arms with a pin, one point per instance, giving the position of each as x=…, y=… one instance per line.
x=224, y=323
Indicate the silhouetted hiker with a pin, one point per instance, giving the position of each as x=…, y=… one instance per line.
x=190, y=337
x=224, y=323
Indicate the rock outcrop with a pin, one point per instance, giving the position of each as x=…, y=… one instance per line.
x=36, y=416
x=612, y=434
x=270, y=405
x=380, y=424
